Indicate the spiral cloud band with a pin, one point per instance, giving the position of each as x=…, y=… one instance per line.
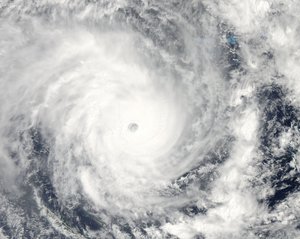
x=149, y=119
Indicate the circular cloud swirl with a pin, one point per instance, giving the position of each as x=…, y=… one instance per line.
x=121, y=118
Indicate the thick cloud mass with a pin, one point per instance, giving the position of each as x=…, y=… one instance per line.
x=149, y=119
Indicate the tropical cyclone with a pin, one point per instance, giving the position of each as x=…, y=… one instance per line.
x=146, y=119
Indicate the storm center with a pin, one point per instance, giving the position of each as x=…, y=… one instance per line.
x=133, y=127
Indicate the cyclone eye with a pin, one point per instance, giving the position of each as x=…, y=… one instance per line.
x=133, y=127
